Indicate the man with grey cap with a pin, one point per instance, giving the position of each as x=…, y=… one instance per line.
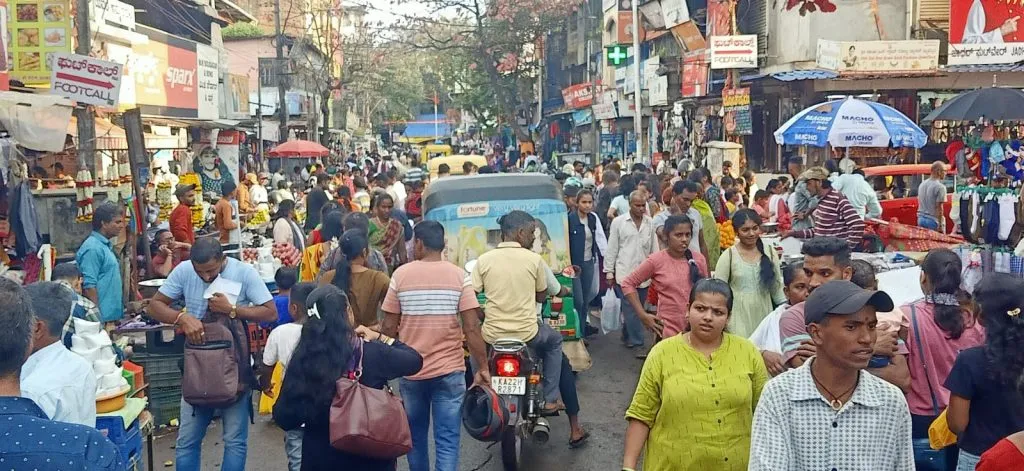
x=828, y=413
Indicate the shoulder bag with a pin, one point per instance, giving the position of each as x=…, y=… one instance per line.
x=366, y=421
x=926, y=457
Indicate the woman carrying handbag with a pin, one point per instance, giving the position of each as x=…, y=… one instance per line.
x=330, y=349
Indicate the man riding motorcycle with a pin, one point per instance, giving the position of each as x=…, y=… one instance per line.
x=515, y=279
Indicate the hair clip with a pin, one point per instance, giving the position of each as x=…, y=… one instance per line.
x=313, y=312
x=1013, y=312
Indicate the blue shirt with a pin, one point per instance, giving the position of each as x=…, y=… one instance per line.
x=185, y=284
x=29, y=441
x=283, y=316
x=101, y=271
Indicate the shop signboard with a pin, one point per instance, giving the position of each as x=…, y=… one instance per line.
x=207, y=82
x=37, y=31
x=578, y=96
x=86, y=79
x=689, y=36
x=988, y=34
x=674, y=12
x=4, y=46
x=582, y=118
x=736, y=104
x=611, y=145
x=165, y=75
x=879, y=57
x=113, y=12
x=624, y=31
x=657, y=88
x=235, y=98
x=695, y=75
x=604, y=108
x=734, y=52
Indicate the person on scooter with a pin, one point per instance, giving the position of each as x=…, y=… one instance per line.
x=515, y=279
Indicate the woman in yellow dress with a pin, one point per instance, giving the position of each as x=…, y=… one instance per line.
x=695, y=402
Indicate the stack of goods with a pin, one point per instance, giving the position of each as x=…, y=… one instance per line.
x=164, y=198
x=287, y=254
x=259, y=218
x=727, y=236
x=91, y=342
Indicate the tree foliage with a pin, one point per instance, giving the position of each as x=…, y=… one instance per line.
x=492, y=50
x=243, y=30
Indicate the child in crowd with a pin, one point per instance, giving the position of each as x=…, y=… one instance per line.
x=280, y=346
x=888, y=322
x=761, y=204
x=767, y=337
x=285, y=279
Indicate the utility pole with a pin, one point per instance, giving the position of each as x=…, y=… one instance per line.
x=83, y=113
x=282, y=106
x=638, y=114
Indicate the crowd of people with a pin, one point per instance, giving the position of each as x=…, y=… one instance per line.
x=761, y=365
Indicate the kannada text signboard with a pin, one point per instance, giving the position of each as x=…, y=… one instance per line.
x=86, y=79
x=733, y=52
x=736, y=104
x=38, y=30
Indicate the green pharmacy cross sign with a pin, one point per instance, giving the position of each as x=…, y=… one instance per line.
x=616, y=54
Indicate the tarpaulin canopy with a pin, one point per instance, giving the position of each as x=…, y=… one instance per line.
x=299, y=148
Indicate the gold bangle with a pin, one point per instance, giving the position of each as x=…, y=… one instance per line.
x=177, y=319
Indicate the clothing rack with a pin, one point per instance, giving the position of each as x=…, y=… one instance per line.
x=984, y=190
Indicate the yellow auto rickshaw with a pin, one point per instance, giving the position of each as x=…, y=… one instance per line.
x=433, y=151
x=455, y=163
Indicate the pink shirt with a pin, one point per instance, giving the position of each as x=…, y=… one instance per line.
x=940, y=353
x=430, y=296
x=673, y=279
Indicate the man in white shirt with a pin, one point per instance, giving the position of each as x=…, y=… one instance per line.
x=859, y=193
x=632, y=238
x=60, y=382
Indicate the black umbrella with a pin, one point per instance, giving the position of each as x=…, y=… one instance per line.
x=994, y=103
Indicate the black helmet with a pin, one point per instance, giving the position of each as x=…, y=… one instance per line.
x=484, y=414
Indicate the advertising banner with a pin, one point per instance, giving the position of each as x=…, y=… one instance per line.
x=37, y=30
x=235, y=99
x=675, y=12
x=578, y=96
x=736, y=104
x=165, y=75
x=604, y=108
x=624, y=32
x=86, y=80
x=985, y=32
x=879, y=57
x=207, y=82
x=734, y=52
x=689, y=36
x=695, y=74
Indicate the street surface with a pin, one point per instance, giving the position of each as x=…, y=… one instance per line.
x=605, y=391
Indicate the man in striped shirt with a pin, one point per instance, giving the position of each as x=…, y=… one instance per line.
x=423, y=307
x=834, y=216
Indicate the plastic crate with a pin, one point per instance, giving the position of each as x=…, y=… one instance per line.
x=164, y=410
x=113, y=428
x=160, y=370
x=129, y=376
x=131, y=449
x=155, y=344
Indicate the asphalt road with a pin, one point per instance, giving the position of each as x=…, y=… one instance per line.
x=605, y=391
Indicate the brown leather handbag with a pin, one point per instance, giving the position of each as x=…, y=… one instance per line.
x=366, y=421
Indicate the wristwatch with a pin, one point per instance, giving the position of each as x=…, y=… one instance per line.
x=234, y=311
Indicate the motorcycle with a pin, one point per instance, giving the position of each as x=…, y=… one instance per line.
x=516, y=377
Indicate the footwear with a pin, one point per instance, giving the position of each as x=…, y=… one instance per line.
x=591, y=330
x=640, y=352
x=579, y=442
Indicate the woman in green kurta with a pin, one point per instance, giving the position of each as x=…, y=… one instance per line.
x=752, y=272
x=695, y=402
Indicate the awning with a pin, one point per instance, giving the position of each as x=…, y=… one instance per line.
x=420, y=129
x=1015, y=67
x=109, y=136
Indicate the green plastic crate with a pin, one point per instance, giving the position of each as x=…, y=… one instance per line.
x=566, y=322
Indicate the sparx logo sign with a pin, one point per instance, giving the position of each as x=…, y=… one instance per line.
x=177, y=76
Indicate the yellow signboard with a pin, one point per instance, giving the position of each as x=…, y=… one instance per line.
x=38, y=28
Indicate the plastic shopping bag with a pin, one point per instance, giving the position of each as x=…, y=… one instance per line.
x=611, y=315
x=267, y=402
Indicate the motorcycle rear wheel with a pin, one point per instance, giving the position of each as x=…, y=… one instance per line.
x=511, y=449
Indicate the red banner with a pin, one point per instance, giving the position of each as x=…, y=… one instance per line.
x=578, y=96
x=985, y=24
x=695, y=74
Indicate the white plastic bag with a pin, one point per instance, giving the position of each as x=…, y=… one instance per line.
x=611, y=315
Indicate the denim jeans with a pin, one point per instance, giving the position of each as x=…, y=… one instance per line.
x=567, y=387
x=967, y=461
x=548, y=346
x=194, y=423
x=633, y=327
x=439, y=399
x=927, y=222
x=581, y=292
x=293, y=448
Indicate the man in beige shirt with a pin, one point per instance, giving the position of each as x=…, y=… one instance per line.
x=514, y=279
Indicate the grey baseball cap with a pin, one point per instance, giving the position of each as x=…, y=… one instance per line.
x=841, y=298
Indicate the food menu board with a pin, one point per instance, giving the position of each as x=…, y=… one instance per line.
x=38, y=29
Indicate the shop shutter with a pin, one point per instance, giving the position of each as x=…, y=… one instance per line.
x=933, y=13
x=752, y=18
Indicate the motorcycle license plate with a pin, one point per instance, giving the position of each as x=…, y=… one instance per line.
x=515, y=385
